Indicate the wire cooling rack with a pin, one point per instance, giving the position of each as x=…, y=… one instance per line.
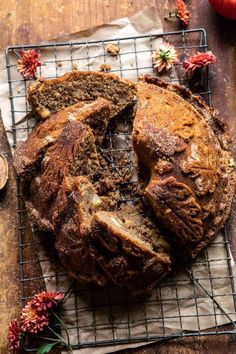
x=192, y=302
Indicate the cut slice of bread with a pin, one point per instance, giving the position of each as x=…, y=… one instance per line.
x=29, y=153
x=47, y=96
x=76, y=203
x=129, y=248
x=73, y=154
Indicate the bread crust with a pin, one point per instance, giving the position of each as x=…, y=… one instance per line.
x=72, y=224
x=128, y=262
x=59, y=162
x=183, y=144
x=29, y=153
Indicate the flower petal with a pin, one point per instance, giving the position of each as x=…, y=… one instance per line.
x=164, y=57
x=28, y=63
x=182, y=12
x=14, y=337
x=198, y=61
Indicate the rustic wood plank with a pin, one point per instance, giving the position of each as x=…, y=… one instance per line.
x=211, y=344
x=11, y=286
x=9, y=266
x=46, y=20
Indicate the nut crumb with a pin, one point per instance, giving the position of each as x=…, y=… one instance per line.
x=112, y=49
x=75, y=66
x=59, y=63
x=105, y=67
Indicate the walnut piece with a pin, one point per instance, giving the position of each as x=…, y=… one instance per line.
x=3, y=171
x=59, y=63
x=105, y=67
x=112, y=49
x=75, y=66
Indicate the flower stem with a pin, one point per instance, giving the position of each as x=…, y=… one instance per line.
x=68, y=346
x=64, y=327
x=49, y=339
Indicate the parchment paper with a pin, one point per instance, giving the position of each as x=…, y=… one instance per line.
x=180, y=297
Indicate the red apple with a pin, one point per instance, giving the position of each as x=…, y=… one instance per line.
x=226, y=8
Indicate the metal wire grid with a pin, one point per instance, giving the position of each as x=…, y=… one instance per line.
x=89, y=306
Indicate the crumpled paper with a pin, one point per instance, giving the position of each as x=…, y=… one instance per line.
x=178, y=304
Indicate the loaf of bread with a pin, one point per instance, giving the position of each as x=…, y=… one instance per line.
x=184, y=147
x=186, y=171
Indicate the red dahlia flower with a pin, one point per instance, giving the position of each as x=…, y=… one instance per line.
x=28, y=63
x=198, y=61
x=32, y=321
x=46, y=300
x=14, y=337
x=182, y=12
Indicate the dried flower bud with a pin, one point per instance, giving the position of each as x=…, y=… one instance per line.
x=182, y=12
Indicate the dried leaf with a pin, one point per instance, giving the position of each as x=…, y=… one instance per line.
x=3, y=171
x=46, y=347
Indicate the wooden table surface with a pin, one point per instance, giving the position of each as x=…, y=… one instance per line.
x=32, y=21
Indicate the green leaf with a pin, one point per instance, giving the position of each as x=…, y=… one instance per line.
x=46, y=347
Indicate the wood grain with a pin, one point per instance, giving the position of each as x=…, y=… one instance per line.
x=9, y=266
x=211, y=344
x=15, y=284
x=46, y=19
